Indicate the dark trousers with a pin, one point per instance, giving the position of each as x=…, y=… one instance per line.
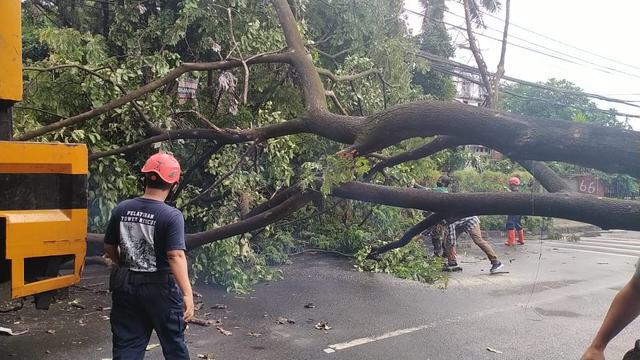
x=514, y=222
x=138, y=308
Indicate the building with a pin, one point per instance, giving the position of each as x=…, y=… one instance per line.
x=471, y=93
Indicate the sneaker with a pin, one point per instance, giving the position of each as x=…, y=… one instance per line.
x=495, y=267
x=450, y=267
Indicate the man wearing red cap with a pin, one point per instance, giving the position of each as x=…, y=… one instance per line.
x=149, y=284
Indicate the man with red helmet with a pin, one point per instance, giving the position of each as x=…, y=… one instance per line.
x=149, y=284
x=514, y=222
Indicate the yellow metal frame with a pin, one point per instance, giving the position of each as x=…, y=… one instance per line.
x=10, y=51
x=36, y=233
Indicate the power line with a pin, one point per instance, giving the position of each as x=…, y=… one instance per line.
x=598, y=67
x=513, y=93
x=563, y=43
x=541, y=46
x=471, y=69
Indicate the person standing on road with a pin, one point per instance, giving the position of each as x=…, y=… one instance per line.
x=514, y=222
x=470, y=225
x=437, y=232
x=624, y=308
x=149, y=284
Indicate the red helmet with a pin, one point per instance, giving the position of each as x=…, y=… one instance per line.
x=514, y=181
x=165, y=165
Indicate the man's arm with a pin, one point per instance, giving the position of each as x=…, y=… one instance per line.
x=178, y=263
x=113, y=253
x=624, y=308
x=112, y=238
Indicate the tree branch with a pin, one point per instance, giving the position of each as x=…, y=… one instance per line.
x=423, y=225
x=95, y=73
x=218, y=181
x=603, y=212
x=249, y=224
x=255, y=222
x=332, y=95
x=339, y=78
x=311, y=83
x=436, y=145
x=477, y=54
x=135, y=94
x=220, y=136
x=500, y=69
x=548, y=178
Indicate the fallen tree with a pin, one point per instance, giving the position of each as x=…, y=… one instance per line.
x=518, y=137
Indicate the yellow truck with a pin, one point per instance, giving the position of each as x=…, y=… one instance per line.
x=43, y=191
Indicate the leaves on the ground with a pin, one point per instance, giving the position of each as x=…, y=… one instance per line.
x=310, y=306
x=223, y=331
x=51, y=331
x=322, y=325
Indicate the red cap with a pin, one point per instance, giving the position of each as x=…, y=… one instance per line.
x=514, y=181
x=165, y=165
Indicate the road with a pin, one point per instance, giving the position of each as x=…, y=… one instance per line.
x=547, y=306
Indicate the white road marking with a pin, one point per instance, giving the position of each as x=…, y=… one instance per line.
x=367, y=340
x=594, y=252
x=554, y=297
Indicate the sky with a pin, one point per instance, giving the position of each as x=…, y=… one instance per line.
x=607, y=29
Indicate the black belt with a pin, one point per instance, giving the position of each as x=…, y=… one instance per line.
x=137, y=278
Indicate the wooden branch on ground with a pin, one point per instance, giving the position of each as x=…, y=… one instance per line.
x=423, y=225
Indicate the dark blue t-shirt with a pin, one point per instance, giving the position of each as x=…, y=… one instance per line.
x=145, y=230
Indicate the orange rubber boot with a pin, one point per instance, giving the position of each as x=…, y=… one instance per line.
x=521, y=236
x=511, y=237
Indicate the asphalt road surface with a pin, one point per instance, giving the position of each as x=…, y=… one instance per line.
x=547, y=306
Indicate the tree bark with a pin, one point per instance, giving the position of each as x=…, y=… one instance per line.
x=602, y=212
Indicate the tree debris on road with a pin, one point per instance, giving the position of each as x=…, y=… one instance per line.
x=322, y=325
x=284, y=320
x=203, y=322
